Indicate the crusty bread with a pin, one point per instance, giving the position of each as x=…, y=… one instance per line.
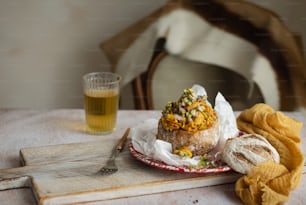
x=200, y=142
x=245, y=152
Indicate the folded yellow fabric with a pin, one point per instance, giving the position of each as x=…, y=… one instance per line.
x=270, y=183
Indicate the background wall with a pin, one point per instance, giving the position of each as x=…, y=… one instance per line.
x=46, y=46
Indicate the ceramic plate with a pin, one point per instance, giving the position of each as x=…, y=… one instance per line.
x=184, y=169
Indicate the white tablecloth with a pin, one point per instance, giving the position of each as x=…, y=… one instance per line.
x=28, y=128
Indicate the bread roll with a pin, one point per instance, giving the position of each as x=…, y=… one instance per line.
x=190, y=123
x=199, y=143
x=245, y=152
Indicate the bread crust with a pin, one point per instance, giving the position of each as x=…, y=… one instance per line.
x=245, y=152
x=200, y=142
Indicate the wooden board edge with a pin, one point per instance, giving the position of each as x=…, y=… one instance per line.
x=137, y=190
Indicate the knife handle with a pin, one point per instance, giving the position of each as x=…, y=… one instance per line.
x=121, y=142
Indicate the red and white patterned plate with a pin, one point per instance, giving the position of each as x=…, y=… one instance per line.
x=184, y=169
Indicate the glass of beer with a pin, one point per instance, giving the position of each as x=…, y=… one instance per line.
x=101, y=101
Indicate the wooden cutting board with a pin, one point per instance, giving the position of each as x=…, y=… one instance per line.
x=67, y=174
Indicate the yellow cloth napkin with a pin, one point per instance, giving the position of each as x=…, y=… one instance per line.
x=270, y=183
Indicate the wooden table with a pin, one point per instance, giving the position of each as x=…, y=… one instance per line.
x=30, y=128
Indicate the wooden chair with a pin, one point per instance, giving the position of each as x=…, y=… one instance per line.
x=281, y=51
x=167, y=75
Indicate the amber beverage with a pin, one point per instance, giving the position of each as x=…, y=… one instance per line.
x=101, y=110
x=101, y=102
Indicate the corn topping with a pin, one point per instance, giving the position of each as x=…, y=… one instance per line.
x=191, y=113
x=183, y=152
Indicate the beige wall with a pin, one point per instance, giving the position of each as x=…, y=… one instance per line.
x=46, y=46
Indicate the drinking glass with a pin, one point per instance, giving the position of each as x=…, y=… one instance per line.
x=101, y=101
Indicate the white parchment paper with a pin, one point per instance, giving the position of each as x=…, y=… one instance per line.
x=144, y=139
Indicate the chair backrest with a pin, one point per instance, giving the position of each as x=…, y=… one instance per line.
x=275, y=68
x=168, y=75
